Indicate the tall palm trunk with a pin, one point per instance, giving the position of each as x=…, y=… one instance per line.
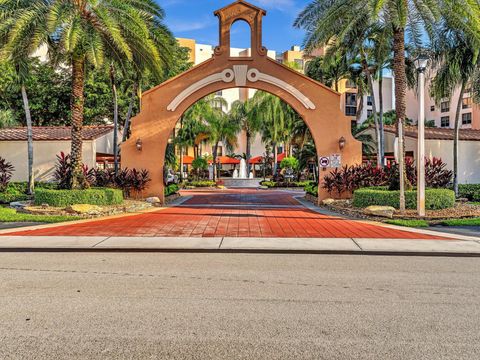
x=381, y=128
x=115, y=119
x=400, y=103
x=366, y=70
x=456, y=139
x=214, y=154
x=275, y=156
x=249, y=150
x=181, y=162
x=78, y=100
x=126, y=127
x=28, y=118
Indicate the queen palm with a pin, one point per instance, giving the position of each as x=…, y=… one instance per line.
x=274, y=118
x=87, y=32
x=220, y=128
x=458, y=64
x=244, y=113
x=22, y=30
x=324, y=19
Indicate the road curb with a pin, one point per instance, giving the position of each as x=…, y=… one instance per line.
x=241, y=251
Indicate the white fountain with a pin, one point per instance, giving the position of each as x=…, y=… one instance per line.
x=243, y=170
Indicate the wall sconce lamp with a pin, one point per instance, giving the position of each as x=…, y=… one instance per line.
x=342, y=142
x=139, y=144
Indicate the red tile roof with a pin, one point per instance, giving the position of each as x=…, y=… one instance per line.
x=438, y=133
x=53, y=133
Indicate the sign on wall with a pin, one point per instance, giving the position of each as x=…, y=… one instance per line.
x=335, y=160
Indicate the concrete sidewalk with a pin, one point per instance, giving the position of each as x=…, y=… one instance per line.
x=231, y=244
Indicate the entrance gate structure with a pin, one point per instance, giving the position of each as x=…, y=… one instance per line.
x=163, y=105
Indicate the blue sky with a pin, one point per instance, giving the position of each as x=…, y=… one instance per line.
x=194, y=19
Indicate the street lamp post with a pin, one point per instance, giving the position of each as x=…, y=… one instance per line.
x=421, y=65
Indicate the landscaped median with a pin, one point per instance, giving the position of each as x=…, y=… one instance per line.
x=12, y=215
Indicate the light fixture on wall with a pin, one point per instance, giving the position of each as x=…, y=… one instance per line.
x=342, y=142
x=139, y=144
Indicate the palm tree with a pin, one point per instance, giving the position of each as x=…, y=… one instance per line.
x=275, y=116
x=22, y=30
x=89, y=31
x=220, y=128
x=243, y=113
x=327, y=19
x=458, y=64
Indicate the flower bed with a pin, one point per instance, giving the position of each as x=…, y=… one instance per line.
x=435, y=199
x=96, y=196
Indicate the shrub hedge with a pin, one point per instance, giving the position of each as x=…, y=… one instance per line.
x=204, y=183
x=171, y=189
x=469, y=191
x=94, y=196
x=285, y=184
x=312, y=189
x=434, y=198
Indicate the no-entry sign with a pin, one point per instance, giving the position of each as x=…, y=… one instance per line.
x=324, y=162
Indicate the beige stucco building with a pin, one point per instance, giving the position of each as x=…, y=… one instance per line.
x=48, y=142
x=439, y=144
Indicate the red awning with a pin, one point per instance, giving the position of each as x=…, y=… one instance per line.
x=227, y=160
x=187, y=160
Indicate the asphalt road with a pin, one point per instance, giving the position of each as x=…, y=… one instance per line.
x=237, y=306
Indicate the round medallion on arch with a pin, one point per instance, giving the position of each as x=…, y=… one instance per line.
x=253, y=75
x=228, y=75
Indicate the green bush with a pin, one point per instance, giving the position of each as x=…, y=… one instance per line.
x=289, y=162
x=434, y=198
x=469, y=191
x=285, y=184
x=171, y=189
x=14, y=192
x=204, y=183
x=94, y=196
x=311, y=189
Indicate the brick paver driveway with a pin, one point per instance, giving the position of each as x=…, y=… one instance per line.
x=230, y=213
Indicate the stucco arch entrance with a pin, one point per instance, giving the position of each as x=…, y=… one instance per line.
x=162, y=106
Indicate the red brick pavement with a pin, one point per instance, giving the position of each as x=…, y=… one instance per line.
x=230, y=213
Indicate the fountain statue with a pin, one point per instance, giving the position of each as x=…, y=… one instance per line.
x=235, y=174
x=243, y=169
x=251, y=175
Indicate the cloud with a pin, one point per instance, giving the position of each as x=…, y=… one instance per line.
x=282, y=5
x=181, y=26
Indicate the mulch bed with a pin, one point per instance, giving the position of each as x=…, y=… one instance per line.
x=460, y=211
x=128, y=206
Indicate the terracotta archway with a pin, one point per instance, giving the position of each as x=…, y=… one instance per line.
x=163, y=105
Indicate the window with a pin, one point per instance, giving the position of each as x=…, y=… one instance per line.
x=467, y=118
x=220, y=151
x=350, y=104
x=280, y=149
x=299, y=63
x=445, y=121
x=467, y=103
x=445, y=106
x=369, y=100
x=369, y=112
x=219, y=93
x=351, y=84
x=432, y=108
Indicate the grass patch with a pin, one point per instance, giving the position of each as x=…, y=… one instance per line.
x=408, y=223
x=462, y=222
x=11, y=215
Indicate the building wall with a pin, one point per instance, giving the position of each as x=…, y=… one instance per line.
x=469, y=159
x=44, y=153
